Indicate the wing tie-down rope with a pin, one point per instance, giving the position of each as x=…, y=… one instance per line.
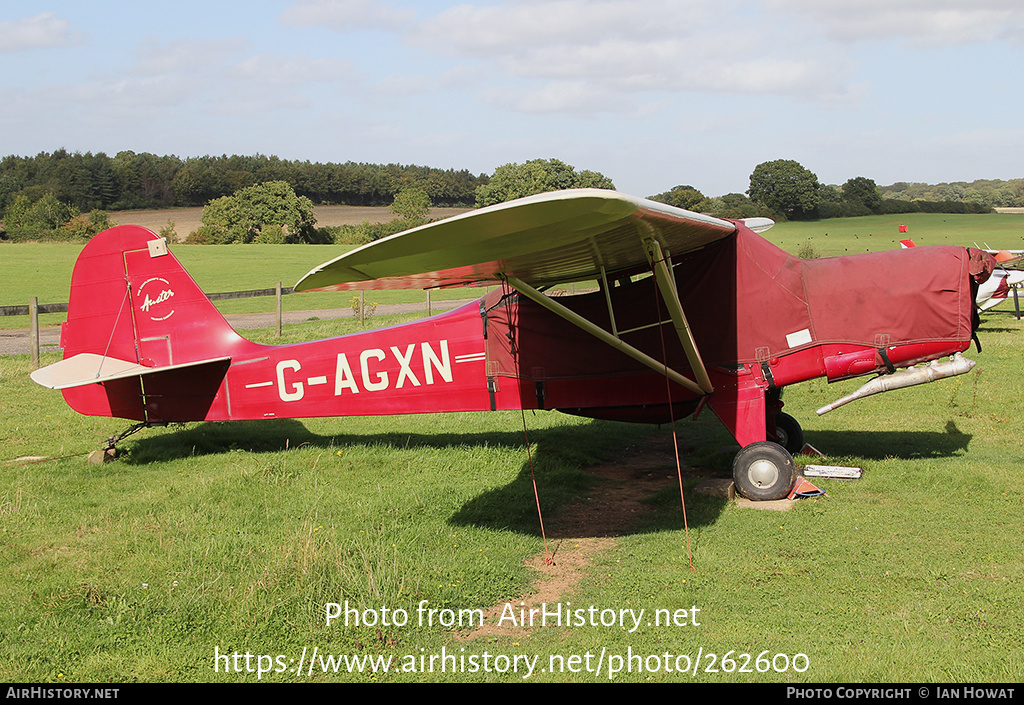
x=548, y=560
x=507, y=290
x=672, y=417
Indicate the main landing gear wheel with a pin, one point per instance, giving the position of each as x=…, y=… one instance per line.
x=788, y=433
x=764, y=471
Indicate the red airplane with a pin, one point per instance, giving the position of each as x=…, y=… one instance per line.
x=692, y=311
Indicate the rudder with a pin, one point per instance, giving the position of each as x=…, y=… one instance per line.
x=132, y=300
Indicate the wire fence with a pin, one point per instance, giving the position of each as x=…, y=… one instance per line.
x=34, y=309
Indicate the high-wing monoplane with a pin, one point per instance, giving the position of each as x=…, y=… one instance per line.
x=691, y=312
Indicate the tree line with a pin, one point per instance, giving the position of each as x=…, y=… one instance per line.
x=133, y=180
x=267, y=199
x=785, y=189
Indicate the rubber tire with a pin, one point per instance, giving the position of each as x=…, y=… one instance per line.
x=788, y=433
x=764, y=471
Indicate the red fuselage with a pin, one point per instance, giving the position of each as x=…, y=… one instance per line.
x=761, y=319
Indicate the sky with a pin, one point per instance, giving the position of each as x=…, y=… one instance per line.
x=651, y=93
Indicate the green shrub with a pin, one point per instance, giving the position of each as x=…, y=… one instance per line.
x=271, y=234
x=808, y=251
x=37, y=235
x=245, y=216
x=167, y=232
x=894, y=206
x=87, y=226
x=43, y=219
x=203, y=235
x=366, y=231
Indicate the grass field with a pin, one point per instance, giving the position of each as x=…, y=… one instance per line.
x=44, y=270
x=840, y=236
x=211, y=541
x=186, y=220
x=235, y=537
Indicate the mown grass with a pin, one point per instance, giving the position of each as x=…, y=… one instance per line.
x=237, y=535
x=910, y=574
x=234, y=536
x=841, y=236
x=44, y=269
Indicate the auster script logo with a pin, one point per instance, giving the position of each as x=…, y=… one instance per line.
x=159, y=288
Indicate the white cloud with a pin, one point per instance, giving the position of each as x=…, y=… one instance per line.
x=347, y=15
x=403, y=84
x=586, y=50
x=129, y=95
x=573, y=56
x=674, y=66
x=918, y=22
x=184, y=55
x=557, y=97
x=219, y=74
x=290, y=71
x=40, y=32
x=526, y=24
x=461, y=76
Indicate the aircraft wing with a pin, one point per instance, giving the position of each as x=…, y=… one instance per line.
x=555, y=237
x=1007, y=259
x=1012, y=262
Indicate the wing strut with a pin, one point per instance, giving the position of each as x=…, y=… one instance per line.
x=603, y=335
x=608, y=300
x=669, y=294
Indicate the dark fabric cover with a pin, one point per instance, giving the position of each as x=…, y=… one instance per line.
x=915, y=295
x=742, y=297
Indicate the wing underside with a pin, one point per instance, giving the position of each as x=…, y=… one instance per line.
x=550, y=238
x=546, y=239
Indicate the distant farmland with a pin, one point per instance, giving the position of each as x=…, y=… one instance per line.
x=188, y=219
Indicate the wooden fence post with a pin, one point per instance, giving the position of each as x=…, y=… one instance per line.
x=278, y=294
x=428, y=303
x=33, y=331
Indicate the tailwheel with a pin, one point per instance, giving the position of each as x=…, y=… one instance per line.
x=788, y=433
x=764, y=471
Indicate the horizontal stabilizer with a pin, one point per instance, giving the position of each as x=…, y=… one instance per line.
x=89, y=368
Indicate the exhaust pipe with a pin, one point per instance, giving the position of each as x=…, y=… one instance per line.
x=956, y=365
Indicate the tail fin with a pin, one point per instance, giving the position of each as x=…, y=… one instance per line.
x=135, y=311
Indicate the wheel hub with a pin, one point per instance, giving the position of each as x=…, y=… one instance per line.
x=782, y=436
x=763, y=473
